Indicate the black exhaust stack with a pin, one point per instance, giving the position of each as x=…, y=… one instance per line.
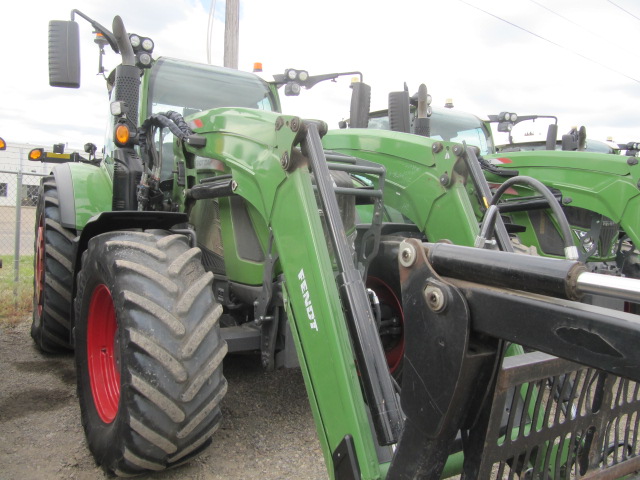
x=127, y=169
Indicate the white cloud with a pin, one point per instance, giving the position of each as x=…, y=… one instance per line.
x=483, y=63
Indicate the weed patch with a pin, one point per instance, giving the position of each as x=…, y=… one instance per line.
x=15, y=297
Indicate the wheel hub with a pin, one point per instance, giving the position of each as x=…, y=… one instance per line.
x=103, y=354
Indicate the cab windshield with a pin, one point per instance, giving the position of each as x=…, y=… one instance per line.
x=447, y=125
x=188, y=88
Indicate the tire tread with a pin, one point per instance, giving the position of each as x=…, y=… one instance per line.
x=171, y=353
x=51, y=323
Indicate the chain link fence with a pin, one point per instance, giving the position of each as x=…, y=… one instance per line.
x=19, y=185
x=18, y=200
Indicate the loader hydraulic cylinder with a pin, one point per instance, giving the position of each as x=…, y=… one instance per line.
x=542, y=275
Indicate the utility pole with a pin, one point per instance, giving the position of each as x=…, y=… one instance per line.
x=231, y=33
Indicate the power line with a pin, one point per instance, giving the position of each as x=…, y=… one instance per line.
x=625, y=11
x=595, y=34
x=551, y=41
x=212, y=14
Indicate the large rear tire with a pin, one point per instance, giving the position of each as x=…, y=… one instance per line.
x=148, y=351
x=52, y=276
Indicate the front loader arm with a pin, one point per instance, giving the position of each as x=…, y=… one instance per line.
x=319, y=325
x=270, y=159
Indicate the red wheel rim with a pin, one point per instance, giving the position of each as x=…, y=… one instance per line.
x=104, y=374
x=395, y=350
x=39, y=273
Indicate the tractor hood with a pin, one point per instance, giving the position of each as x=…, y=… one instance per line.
x=585, y=161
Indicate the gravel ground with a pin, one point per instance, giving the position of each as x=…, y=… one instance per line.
x=267, y=431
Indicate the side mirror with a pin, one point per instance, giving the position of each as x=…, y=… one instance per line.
x=90, y=148
x=399, y=112
x=360, y=104
x=552, y=137
x=570, y=141
x=64, y=54
x=582, y=138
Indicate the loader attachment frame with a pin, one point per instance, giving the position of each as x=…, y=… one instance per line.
x=455, y=380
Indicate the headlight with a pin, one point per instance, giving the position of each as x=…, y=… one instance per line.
x=147, y=44
x=144, y=59
x=135, y=40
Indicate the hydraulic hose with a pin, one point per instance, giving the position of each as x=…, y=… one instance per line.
x=570, y=250
x=171, y=120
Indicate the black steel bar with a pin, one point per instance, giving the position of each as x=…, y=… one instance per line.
x=357, y=168
x=338, y=157
x=544, y=275
x=217, y=178
x=525, y=204
x=372, y=364
x=358, y=192
x=594, y=336
x=211, y=190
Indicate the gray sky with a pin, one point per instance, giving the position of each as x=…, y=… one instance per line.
x=576, y=59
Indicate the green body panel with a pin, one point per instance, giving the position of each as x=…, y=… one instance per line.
x=586, y=161
x=250, y=147
x=92, y=191
x=252, y=157
x=413, y=184
x=605, y=184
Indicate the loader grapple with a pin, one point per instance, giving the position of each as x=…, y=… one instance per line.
x=563, y=421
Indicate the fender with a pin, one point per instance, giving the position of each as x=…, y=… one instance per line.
x=84, y=191
x=84, y=196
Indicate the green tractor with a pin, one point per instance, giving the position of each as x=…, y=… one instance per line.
x=216, y=224
x=599, y=193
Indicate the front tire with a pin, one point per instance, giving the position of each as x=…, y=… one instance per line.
x=148, y=351
x=53, y=277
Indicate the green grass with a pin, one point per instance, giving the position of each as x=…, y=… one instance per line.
x=15, y=299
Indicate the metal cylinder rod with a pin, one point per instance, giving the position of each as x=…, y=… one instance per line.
x=617, y=287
